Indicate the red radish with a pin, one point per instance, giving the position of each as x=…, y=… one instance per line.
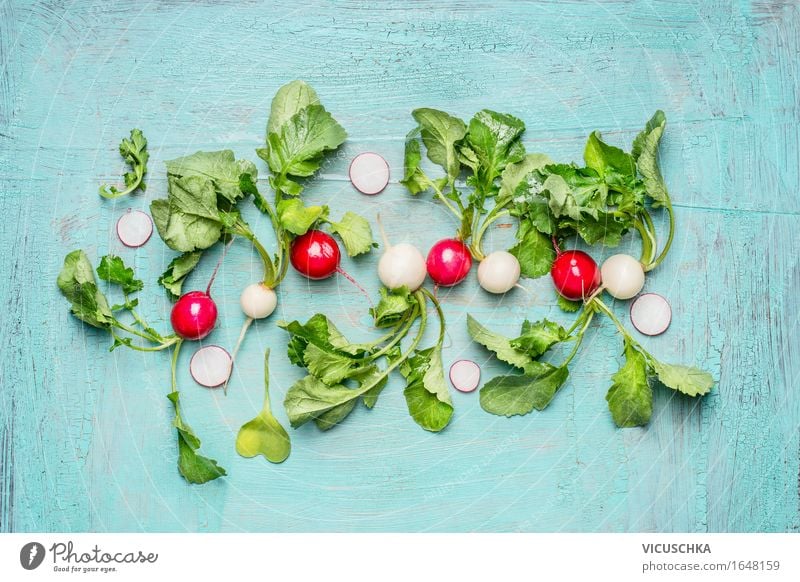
x=315, y=255
x=448, y=262
x=465, y=375
x=194, y=315
x=651, y=314
x=134, y=228
x=575, y=274
x=211, y=366
x=369, y=173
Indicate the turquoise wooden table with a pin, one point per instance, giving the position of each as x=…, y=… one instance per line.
x=85, y=436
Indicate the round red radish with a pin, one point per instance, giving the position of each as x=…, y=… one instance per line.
x=575, y=275
x=651, y=314
x=194, y=315
x=448, y=262
x=369, y=173
x=315, y=255
x=465, y=375
x=134, y=228
x=211, y=366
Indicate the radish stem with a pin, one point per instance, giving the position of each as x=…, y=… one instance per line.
x=245, y=327
x=668, y=244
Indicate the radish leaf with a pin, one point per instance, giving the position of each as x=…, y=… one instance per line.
x=194, y=467
x=497, y=343
x=533, y=251
x=134, y=152
x=440, y=133
x=688, y=380
x=427, y=397
x=520, y=394
x=630, y=398
x=220, y=167
x=355, y=233
x=113, y=270
x=538, y=337
x=179, y=268
x=297, y=218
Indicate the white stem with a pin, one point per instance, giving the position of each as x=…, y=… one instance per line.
x=245, y=327
x=383, y=233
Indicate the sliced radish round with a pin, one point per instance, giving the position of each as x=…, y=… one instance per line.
x=211, y=366
x=369, y=173
x=465, y=375
x=651, y=314
x=134, y=228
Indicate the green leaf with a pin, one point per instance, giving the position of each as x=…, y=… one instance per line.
x=538, y=337
x=605, y=229
x=491, y=143
x=520, y=394
x=113, y=270
x=426, y=393
x=601, y=157
x=77, y=283
x=414, y=178
x=515, y=174
x=688, y=380
x=368, y=376
x=645, y=152
x=220, y=167
x=440, y=132
x=321, y=332
x=534, y=251
x=134, y=152
x=531, y=205
x=309, y=398
x=194, y=467
x=567, y=305
x=393, y=307
x=192, y=220
x=355, y=232
x=497, y=343
x=330, y=366
x=298, y=147
x=327, y=420
x=179, y=268
x=562, y=202
x=297, y=218
x=264, y=435
x=630, y=397
x=289, y=100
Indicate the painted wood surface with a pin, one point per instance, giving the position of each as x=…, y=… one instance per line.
x=85, y=436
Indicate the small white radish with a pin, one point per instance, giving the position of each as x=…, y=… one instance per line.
x=651, y=314
x=258, y=301
x=369, y=173
x=134, y=228
x=465, y=375
x=401, y=265
x=498, y=272
x=211, y=366
x=623, y=276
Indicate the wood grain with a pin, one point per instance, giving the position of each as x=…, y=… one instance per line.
x=85, y=436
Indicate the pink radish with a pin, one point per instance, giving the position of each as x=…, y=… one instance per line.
x=449, y=261
x=211, y=366
x=623, y=276
x=651, y=314
x=465, y=375
x=134, y=228
x=315, y=255
x=369, y=173
x=194, y=315
x=575, y=274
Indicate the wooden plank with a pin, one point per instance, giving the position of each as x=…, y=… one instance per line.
x=93, y=430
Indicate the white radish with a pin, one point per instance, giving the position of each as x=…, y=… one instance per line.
x=401, y=265
x=651, y=314
x=257, y=301
x=134, y=228
x=498, y=272
x=211, y=366
x=623, y=276
x=369, y=173
x=465, y=375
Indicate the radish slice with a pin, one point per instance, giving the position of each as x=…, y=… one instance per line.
x=465, y=375
x=134, y=228
x=651, y=314
x=369, y=173
x=211, y=366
